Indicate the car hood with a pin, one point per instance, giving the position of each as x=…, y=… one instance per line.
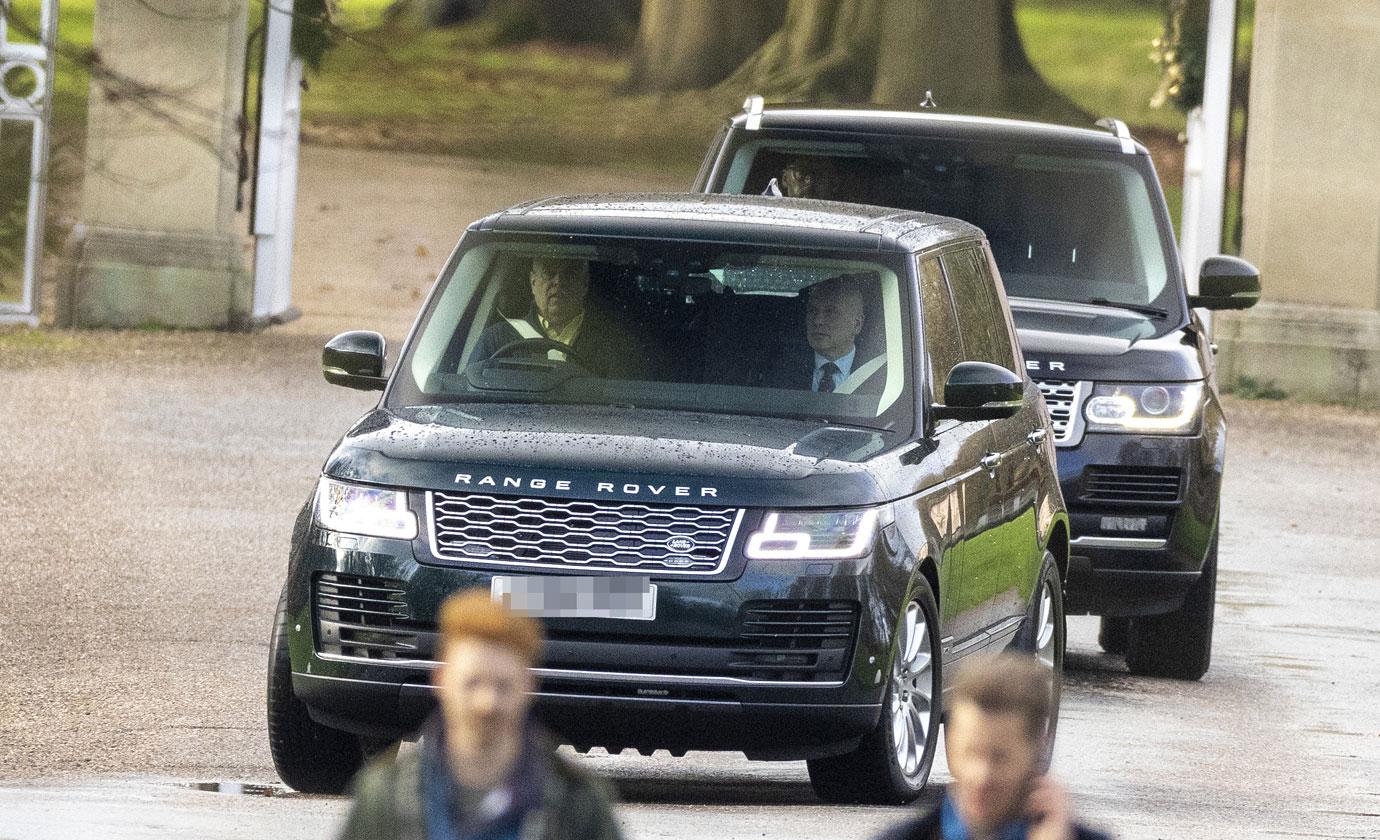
x=1099, y=343
x=614, y=454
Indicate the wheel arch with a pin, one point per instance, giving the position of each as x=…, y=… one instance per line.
x=1057, y=543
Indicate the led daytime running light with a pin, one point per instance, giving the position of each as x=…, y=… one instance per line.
x=367, y=511
x=858, y=528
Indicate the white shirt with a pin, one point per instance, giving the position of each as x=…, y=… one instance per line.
x=843, y=363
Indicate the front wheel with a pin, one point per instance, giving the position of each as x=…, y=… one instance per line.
x=892, y=763
x=308, y=756
x=1043, y=634
x=1178, y=644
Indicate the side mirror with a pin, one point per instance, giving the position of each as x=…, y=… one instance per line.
x=980, y=391
x=355, y=360
x=1226, y=283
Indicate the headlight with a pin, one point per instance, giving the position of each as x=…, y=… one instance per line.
x=830, y=535
x=1167, y=409
x=369, y=511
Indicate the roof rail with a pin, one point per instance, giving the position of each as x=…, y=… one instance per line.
x=1117, y=127
x=752, y=106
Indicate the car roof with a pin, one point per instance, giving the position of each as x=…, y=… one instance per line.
x=797, y=222
x=874, y=120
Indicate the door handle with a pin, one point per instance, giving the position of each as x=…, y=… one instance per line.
x=991, y=460
x=1037, y=437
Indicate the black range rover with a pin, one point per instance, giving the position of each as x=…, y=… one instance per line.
x=1080, y=232
x=766, y=469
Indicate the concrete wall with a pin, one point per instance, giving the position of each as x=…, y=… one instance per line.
x=158, y=242
x=1311, y=215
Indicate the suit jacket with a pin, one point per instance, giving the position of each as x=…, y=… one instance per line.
x=928, y=826
x=609, y=349
x=389, y=803
x=795, y=370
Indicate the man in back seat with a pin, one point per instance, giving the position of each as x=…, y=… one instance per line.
x=831, y=360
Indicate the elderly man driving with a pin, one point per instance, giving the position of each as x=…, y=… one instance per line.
x=560, y=313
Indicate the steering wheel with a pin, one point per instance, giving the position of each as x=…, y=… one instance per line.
x=539, y=343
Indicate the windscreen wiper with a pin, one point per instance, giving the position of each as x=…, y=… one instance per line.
x=1143, y=309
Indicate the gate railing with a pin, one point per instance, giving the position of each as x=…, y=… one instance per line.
x=26, y=85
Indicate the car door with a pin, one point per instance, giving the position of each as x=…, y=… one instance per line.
x=1018, y=441
x=961, y=445
x=995, y=576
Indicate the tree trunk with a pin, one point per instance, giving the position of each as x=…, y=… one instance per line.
x=694, y=44
x=892, y=51
x=952, y=49
x=825, y=49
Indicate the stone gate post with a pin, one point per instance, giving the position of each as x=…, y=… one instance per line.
x=157, y=242
x=1311, y=214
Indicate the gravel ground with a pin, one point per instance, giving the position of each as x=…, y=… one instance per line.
x=150, y=481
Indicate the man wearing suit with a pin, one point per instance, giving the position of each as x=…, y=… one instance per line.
x=560, y=286
x=832, y=361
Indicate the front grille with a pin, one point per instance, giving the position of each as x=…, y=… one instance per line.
x=1065, y=403
x=574, y=534
x=795, y=641
x=364, y=617
x=1131, y=484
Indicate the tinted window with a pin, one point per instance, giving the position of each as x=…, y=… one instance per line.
x=1076, y=225
x=943, y=345
x=980, y=318
x=656, y=324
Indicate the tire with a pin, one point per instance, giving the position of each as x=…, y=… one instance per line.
x=1113, y=634
x=309, y=757
x=875, y=772
x=1044, y=635
x=1178, y=644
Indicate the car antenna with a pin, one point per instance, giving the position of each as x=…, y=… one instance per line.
x=928, y=102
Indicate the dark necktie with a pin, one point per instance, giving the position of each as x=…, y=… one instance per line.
x=826, y=377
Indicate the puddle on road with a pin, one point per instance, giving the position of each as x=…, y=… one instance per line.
x=240, y=788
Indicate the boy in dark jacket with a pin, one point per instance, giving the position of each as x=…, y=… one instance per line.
x=995, y=735
x=483, y=771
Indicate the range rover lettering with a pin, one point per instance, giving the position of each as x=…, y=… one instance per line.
x=765, y=468
x=1079, y=230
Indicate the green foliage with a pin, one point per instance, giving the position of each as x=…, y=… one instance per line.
x=314, y=30
x=1181, y=53
x=1250, y=388
x=14, y=195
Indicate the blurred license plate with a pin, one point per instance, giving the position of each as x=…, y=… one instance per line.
x=614, y=596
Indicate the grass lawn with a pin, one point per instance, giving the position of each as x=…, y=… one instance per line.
x=448, y=91
x=1098, y=53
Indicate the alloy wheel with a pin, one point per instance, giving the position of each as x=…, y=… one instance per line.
x=912, y=692
x=1046, y=636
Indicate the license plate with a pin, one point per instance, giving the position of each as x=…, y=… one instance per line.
x=612, y=596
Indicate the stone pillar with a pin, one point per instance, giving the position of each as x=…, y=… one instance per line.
x=1311, y=215
x=157, y=244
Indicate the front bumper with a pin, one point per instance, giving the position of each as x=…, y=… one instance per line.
x=1135, y=550
x=679, y=682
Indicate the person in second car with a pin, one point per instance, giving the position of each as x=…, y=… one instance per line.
x=560, y=313
x=832, y=361
x=995, y=722
x=483, y=769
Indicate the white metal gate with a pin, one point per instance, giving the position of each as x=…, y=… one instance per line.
x=26, y=86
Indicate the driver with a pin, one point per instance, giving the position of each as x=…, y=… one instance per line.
x=560, y=287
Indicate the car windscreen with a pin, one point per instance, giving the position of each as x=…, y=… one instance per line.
x=1068, y=225
x=671, y=325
